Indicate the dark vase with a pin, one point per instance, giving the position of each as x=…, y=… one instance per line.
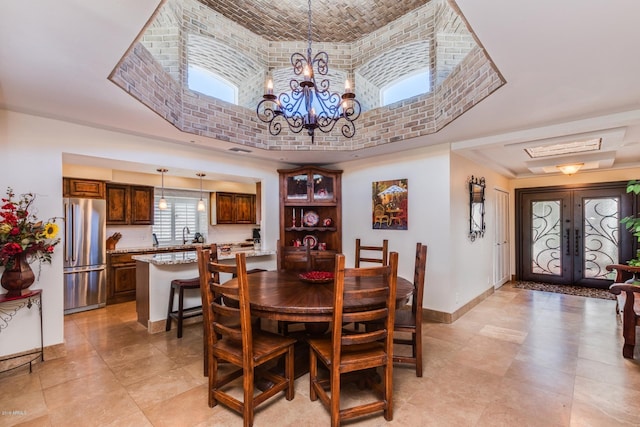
x=18, y=277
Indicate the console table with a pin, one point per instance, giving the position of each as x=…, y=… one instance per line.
x=9, y=307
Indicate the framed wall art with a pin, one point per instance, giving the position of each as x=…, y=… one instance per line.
x=390, y=205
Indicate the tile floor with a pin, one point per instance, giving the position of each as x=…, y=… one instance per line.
x=520, y=358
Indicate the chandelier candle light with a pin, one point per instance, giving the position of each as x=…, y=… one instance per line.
x=310, y=105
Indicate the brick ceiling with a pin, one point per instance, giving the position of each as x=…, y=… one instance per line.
x=332, y=20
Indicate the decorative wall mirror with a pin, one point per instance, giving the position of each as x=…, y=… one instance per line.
x=476, y=207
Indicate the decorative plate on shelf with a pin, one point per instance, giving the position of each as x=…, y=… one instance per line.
x=310, y=240
x=316, y=276
x=310, y=219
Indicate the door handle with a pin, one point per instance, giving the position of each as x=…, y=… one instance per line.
x=577, y=242
x=567, y=235
x=67, y=233
x=73, y=232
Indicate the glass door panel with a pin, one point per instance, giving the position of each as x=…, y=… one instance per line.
x=297, y=187
x=322, y=188
x=601, y=235
x=546, y=237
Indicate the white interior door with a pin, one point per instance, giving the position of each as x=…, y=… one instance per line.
x=501, y=243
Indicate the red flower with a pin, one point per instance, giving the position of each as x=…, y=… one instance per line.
x=11, y=249
x=22, y=232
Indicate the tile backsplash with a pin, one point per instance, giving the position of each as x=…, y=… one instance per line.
x=137, y=236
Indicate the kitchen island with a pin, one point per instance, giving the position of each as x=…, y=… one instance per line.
x=154, y=273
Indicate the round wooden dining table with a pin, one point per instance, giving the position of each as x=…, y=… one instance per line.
x=282, y=295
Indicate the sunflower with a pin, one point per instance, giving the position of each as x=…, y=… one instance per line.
x=50, y=230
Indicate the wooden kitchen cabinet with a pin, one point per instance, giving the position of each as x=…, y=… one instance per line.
x=121, y=277
x=129, y=204
x=233, y=208
x=117, y=204
x=141, y=204
x=86, y=188
x=245, y=208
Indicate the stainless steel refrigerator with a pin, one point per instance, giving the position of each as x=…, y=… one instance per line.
x=85, y=270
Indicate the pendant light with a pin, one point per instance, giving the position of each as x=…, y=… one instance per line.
x=162, y=204
x=201, y=206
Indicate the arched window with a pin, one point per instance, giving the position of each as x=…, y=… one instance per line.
x=408, y=86
x=208, y=83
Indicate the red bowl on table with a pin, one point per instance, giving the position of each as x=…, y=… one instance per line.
x=316, y=276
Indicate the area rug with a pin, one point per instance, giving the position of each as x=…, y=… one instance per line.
x=566, y=289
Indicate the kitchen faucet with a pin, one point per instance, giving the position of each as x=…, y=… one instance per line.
x=184, y=238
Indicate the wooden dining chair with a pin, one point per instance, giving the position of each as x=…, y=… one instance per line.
x=351, y=351
x=291, y=258
x=231, y=338
x=294, y=258
x=213, y=257
x=368, y=256
x=410, y=321
x=371, y=257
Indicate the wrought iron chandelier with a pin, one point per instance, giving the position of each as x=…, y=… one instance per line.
x=310, y=105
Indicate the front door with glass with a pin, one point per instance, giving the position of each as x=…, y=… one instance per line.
x=569, y=236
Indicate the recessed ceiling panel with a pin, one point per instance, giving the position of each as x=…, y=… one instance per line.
x=332, y=20
x=564, y=148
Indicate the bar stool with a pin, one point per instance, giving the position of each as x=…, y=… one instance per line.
x=182, y=313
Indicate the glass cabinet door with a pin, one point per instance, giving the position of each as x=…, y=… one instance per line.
x=297, y=187
x=323, y=188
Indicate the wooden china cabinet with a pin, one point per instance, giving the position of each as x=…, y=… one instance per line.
x=311, y=212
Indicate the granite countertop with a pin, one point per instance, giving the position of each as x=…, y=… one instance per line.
x=185, y=247
x=191, y=257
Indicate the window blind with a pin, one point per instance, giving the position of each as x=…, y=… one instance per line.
x=181, y=214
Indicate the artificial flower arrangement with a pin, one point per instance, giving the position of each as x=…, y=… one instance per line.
x=22, y=232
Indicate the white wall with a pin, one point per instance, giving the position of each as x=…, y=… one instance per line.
x=471, y=262
x=458, y=270
x=427, y=171
x=32, y=149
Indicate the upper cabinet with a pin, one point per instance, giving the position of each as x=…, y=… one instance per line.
x=309, y=185
x=129, y=204
x=233, y=208
x=87, y=188
x=141, y=200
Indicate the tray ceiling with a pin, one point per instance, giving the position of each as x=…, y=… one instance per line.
x=332, y=20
